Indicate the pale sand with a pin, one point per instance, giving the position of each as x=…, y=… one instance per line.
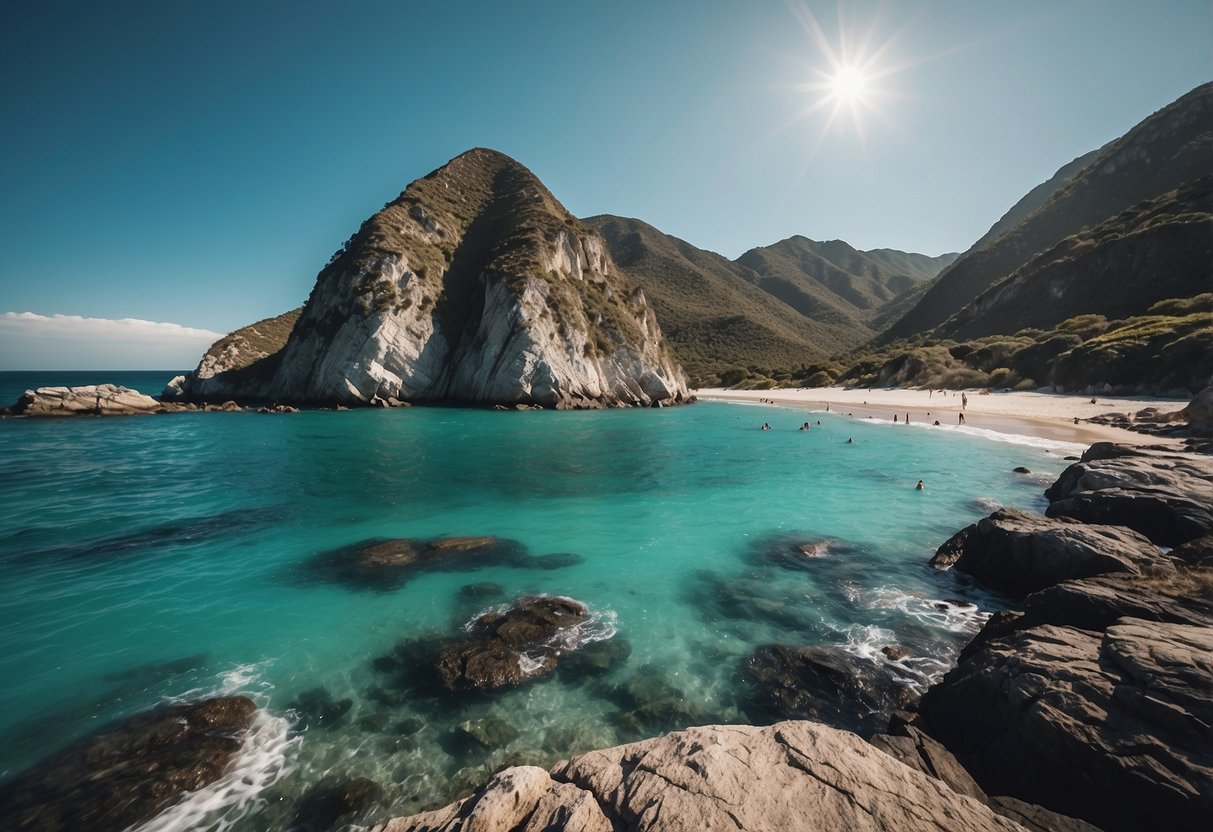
x=1045, y=415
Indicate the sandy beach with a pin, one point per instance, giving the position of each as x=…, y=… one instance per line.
x=1045, y=415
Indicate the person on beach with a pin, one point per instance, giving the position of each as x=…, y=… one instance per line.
x=960, y=418
x=919, y=486
x=907, y=418
x=936, y=423
x=964, y=400
x=894, y=417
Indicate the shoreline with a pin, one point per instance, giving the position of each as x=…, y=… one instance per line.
x=1041, y=415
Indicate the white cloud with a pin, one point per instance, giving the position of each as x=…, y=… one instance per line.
x=32, y=341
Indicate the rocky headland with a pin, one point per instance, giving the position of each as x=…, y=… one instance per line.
x=475, y=286
x=1089, y=708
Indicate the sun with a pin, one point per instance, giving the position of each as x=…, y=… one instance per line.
x=847, y=85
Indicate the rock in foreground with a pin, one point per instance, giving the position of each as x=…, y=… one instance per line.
x=1114, y=729
x=790, y=776
x=130, y=772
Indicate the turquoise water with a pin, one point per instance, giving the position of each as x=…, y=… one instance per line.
x=153, y=557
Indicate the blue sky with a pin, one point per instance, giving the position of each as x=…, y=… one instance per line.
x=196, y=163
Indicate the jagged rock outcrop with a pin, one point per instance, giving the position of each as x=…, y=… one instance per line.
x=241, y=364
x=1166, y=496
x=792, y=776
x=93, y=400
x=475, y=285
x=1025, y=552
x=507, y=647
x=129, y=772
x=1113, y=728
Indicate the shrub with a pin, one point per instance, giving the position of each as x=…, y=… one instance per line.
x=819, y=379
x=1027, y=384
x=1183, y=306
x=1003, y=377
x=964, y=377
x=1084, y=326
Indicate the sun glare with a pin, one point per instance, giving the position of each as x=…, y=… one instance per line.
x=846, y=77
x=847, y=84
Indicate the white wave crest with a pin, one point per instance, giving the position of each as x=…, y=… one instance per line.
x=266, y=756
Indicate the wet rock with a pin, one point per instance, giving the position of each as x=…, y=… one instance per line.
x=799, y=551
x=595, y=660
x=506, y=648
x=651, y=705
x=895, y=653
x=790, y=776
x=1024, y=552
x=409, y=726
x=715, y=597
x=330, y=801
x=387, y=564
x=823, y=684
x=560, y=560
x=489, y=733
x=1021, y=470
x=1111, y=728
x=1160, y=494
x=317, y=709
x=374, y=722
x=130, y=771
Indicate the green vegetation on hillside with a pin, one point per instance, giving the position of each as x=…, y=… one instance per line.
x=1168, y=351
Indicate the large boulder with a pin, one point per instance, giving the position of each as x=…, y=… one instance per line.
x=1115, y=729
x=1166, y=496
x=1024, y=552
x=505, y=648
x=92, y=400
x=128, y=772
x=792, y=776
x=1199, y=413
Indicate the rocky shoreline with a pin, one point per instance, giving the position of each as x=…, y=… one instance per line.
x=1092, y=708
x=1089, y=706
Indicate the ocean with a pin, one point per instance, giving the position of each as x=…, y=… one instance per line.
x=151, y=558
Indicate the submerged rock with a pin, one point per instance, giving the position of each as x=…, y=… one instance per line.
x=824, y=684
x=129, y=772
x=331, y=801
x=1163, y=495
x=791, y=776
x=508, y=647
x=389, y=563
x=799, y=551
x=1024, y=552
x=318, y=709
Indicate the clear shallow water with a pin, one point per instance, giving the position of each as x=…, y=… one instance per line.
x=146, y=558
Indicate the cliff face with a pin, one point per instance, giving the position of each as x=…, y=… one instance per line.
x=242, y=363
x=476, y=285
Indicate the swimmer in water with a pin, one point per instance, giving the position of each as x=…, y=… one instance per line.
x=919, y=486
